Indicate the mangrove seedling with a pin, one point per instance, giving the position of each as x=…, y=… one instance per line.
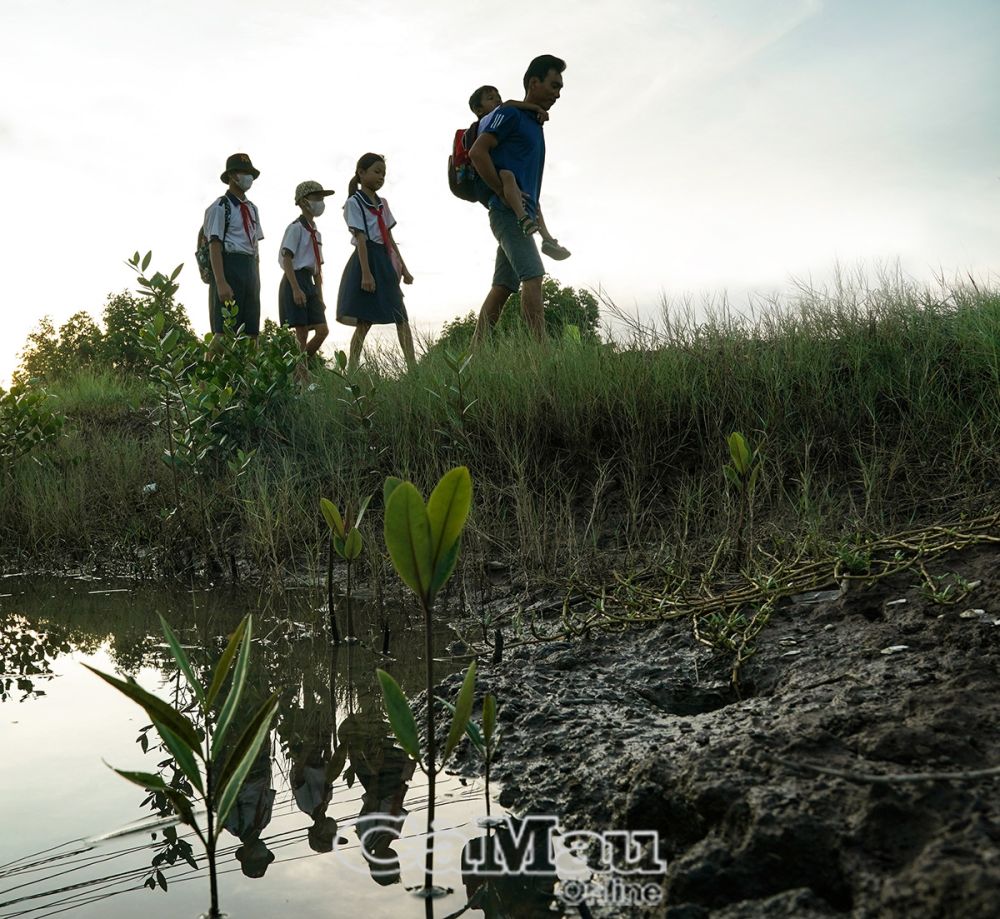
x=347, y=543
x=423, y=543
x=215, y=771
x=483, y=739
x=742, y=472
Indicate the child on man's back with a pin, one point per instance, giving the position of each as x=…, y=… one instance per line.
x=483, y=102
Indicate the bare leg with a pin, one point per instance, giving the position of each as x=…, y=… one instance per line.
x=406, y=343
x=489, y=313
x=357, y=342
x=319, y=336
x=531, y=307
x=511, y=193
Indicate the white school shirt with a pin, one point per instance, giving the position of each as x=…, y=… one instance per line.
x=298, y=241
x=357, y=217
x=235, y=235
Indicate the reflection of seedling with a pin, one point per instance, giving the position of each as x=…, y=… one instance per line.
x=218, y=777
x=423, y=543
x=348, y=544
x=742, y=472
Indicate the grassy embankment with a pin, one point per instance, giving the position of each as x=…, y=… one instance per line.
x=871, y=413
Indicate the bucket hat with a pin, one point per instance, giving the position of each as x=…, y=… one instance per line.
x=239, y=162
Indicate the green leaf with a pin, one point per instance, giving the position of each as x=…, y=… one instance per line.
x=445, y=566
x=146, y=260
x=157, y=709
x=400, y=714
x=361, y=510
x=471, y=729
x=489, y=717
x=739, y=451
x=236, y=688
x=333, y=519
x=353, y=545
x=753, y=478
x=731, y=474
x=152, y=782
x=447, y=510
x=242, y=758
x=176, y=271
x=463, y=710
x=391, y=484
x=182, y=661
x=182, y=753
x=225, y=662
x=408, y=539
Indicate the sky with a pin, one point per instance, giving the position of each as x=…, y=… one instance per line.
x=700, y=147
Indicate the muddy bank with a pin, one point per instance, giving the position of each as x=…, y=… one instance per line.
x=643, y=731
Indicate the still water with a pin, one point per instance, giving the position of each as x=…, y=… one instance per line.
x=76, y=839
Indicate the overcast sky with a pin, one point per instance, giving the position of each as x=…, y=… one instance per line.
x=699, y=146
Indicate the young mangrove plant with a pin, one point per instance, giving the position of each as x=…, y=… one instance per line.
x=742, y=472
x=347, y=542
x=424, y=542
x=483, y=739
x=456, y=404
x=216, y=770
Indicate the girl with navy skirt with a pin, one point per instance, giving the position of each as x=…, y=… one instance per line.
x=369, y=288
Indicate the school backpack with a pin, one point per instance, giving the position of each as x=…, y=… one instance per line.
x=463, y=180
x=201, y=252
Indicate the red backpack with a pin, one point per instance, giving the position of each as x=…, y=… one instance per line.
x=462, y=178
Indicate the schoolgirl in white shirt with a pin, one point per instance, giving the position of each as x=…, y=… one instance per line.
x=369, y=288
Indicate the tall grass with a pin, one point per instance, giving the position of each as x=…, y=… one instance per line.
x=872, y=408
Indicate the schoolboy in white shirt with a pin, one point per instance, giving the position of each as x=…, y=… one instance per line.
x=232, y=228
x=300, y=295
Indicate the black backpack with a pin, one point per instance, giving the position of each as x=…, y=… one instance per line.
x=201, y=252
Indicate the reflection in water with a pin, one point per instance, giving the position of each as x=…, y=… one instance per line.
x=25, y=652
x=331, y=760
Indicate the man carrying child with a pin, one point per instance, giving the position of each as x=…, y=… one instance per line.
x=512, y=141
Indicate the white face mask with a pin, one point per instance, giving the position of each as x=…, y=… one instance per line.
x=317, y=207
x=243, y=181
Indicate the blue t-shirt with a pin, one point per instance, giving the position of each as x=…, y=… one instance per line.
x=521, y=149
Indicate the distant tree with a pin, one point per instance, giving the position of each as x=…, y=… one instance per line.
x=80, y=342
x=563, y=307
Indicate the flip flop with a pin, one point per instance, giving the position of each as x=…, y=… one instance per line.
x=527, y=225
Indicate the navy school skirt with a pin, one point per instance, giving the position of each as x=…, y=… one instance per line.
x=379, y=307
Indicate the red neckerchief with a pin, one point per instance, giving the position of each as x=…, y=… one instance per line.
x=249, y=224
x=397, y=262
x=315, y=244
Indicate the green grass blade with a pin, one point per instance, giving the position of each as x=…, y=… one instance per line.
x=182, y=661
x=400, y=714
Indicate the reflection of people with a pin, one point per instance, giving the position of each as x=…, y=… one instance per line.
x=251, y=813
x=384, y=772
x=308, y=732
x=510, y=894
x=513, y=140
